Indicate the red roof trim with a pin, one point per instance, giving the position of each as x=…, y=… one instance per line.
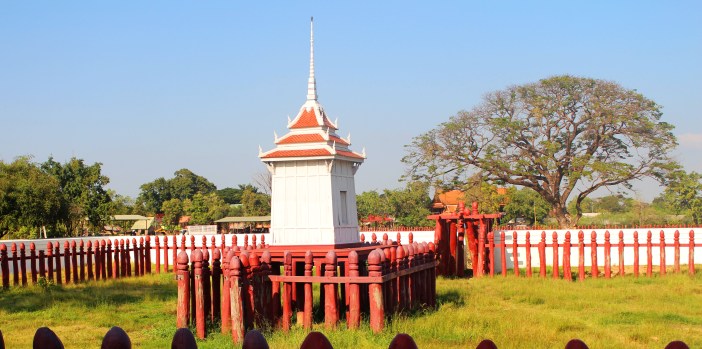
x=297, y=153
x=348, y=154
x=304, y=138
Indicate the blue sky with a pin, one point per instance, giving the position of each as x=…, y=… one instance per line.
x=147, y=88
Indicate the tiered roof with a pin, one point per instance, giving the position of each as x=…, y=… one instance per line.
x=311, y=134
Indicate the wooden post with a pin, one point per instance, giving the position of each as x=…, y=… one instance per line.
x=621, y=253
x=116, y=254
x=57, y=263
x=566, y=258
x=375, y=290
x=555, y=255
x=226, y=293
x=354, y=320
x=287, y=292
x=23, y=264
x=607, y=256
x=307, y=311
x=691, y=254
x=432, y=276
x=5, y=268
x=411, y=285
x=527, y=257
x=542, y=255
x=42, y=264
x=593, y=254
x=401, y=289
x=479, y=267
x=15, y=273
x=515, y=254
x=89, y=260
x=103, y=271
x=235, y=294
x=33, y=262
x=676, y=245
x=503, y=253
x=183, y=277
x=74, y=261
x=196, y=257
x=649, y=255
x=662, y=247
x=331, y=315
x=157, y=243
x=581, y=256
x=491, y=252
x=137, y=257
x=206, y=284
x=108, y=259
x=254, y=288
x=216, y=291
x=636, y=253
x=147, y=255
x=67, y=261
x=245, y=293
x=81, y=258
x=265, y=285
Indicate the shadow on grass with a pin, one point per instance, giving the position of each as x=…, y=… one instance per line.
x=91, y=295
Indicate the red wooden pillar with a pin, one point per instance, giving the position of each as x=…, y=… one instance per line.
x=375, y=290
x=555, y=255
x=621, y=253
x=81, y=260
x=237, y=300
x=394, y=284
x=691, y=254
x=331, y=312
x=157, y=243
x=432, y=276
x=103, y=270
x=116, y=254
x=411, y=285
x=57, y=263
x=472, y=243
x=74, y=261
x=109, y=259
x=649, y=255
x=22, y=264
x=49, y=261
x=42, y=264
x=607, y=256
x=206, y=284
x=636, y=253
x=245, y=284
x=307, y=311
x=491, y=252
x=137, y=257
x=4, y=267
x=542, y=255
x=15, y=271
x=354, y=320
x=146, y=253
x=503, y=254
x=216, y=290
x=480, y=270
x=527, y=256
x=33, y=262
x=515, y=254
x=460, y=249
x=662, y=247
x=676, y=245
x=196, y=257
x=174, y=250
x=593, y=254
x=89, y=260
x=287, y=291
x=183, y=277
x=401, y=289
x=265, y=293
x=226, y=293
x=165, y=253
x=254, y=288
x=566, y=258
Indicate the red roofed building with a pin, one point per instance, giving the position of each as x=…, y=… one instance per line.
x=313, y=199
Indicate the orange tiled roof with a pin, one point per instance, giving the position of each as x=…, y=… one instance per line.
x=348, y=154
x=338, y=140
x=305, y=138
x=309, y=119
x=297, y=153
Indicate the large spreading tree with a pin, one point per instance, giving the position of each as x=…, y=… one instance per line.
x=562, y=136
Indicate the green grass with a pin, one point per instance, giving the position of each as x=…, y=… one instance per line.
x=515, y=313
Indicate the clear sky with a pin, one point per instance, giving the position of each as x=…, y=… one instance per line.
x=149, y=87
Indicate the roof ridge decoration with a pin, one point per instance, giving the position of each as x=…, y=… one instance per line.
x=311, y=82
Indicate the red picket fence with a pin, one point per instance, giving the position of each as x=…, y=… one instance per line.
x=495, y=246
x=116, y=338
x=377, y=280
x=76, y=262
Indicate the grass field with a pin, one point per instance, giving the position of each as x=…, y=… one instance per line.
x=515, y=313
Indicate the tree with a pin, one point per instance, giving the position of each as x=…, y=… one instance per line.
x=254, y=203
x=83, y=193
x=526, y=203
x=560, y=136
x=409, y=206
x=172, y=211
x=29, y=198
x=683, y=194
x=184, y=185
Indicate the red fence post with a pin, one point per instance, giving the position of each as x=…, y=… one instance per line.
x=23, y=264
x=676, y=244
x=165, y=253
x=375, y=290
x=649, y=255
x=103, y=271
x=515, y=254
x=566, y=258
x=491, y=252
x=33, y=262
x=74, y=261
x=331, y=315
x=137, y=257
x=226, y=293
x=287, y=291
x=183, y=277
x=157, y=243
x=42, y=264
x=67, y=261
x=206, y=284
x=245, y=293
x=691, y=254
x=503, y=253
x=479, y=267
x=354, y=320
x=216, y=291
x=15, y=271
x=4, y=267
x=636, y=253
x=235, y=294
x=581, y=256
x=607, y=256
x=57, y=263
x=401, y=287
x=662, y=247
x=147, y=255
x=116, y=253
x=555, y=255
x=307, y=311
x=527, y=245
x=196, y=257
x=108, y=259
x=621, y=253
x=89, y=261
x=542, y=255
x=81, y=260
x=593, y=254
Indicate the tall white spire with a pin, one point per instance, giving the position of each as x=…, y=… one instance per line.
x=311, y=82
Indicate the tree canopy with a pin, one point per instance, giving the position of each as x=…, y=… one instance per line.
x=683, y=194
x=184, y=185
x=560, y=136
